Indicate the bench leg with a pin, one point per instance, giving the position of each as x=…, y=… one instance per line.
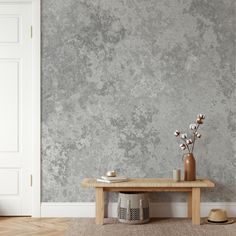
x=99, y=206
x=196, y=196
x=189, y=204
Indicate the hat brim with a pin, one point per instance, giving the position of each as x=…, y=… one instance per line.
x=229, y=221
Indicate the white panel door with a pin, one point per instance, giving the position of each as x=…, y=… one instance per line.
x=15, y=109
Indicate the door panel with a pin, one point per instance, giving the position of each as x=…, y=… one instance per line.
x=10, y=187
x=9, y=25
x=15, y=109
x=9, y=90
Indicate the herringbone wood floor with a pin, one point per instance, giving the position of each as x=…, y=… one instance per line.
x=27, y=226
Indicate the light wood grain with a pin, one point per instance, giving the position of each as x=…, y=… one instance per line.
x=99, y=206
x=147, y=189
x=196, y=198
x=151, y=185
x=28, y=226
x=190, y=205
x=149, y=182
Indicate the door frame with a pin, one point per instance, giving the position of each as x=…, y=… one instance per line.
x=36, y=101
x=36, y=75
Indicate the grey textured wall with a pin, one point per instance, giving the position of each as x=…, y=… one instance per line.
x=119, y=76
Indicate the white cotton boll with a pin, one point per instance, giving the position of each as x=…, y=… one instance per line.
x=177, y=133
x=199, y=121
x=192, y=126
x=198, y=135
x=184, y=136
x=182, y=146
x=189, y=141
x=201, y=116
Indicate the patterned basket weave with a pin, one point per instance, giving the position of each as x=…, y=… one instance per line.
x=133, y=208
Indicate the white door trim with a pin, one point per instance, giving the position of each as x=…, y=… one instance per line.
x=36, y=48
x=36, y=111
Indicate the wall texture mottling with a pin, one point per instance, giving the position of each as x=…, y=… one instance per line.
x=119, y=76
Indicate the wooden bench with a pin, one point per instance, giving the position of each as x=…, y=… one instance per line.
x=193, y=188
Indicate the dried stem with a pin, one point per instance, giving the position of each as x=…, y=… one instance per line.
x=186, y=144
x=194, y=137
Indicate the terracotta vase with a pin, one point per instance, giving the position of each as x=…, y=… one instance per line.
x=189, y=167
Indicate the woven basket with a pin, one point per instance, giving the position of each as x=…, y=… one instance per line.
x=133, y=207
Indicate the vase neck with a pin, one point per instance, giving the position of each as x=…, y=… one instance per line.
x=188, y=154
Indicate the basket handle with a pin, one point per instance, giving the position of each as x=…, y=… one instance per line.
x=128, y=209
x=141, y=209
x=118, y=208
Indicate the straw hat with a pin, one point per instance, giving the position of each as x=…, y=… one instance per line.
x=218, y=216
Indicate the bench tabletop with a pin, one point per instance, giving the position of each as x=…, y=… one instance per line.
x=149, y=182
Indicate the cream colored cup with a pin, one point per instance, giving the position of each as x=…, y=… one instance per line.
x=111, y=173
x=176, y=175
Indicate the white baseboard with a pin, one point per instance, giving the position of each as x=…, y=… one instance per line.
x=157, y=209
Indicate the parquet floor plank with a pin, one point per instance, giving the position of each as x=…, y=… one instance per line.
x=28, y=226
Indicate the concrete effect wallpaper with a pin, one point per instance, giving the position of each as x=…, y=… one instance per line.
x=119, y=76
